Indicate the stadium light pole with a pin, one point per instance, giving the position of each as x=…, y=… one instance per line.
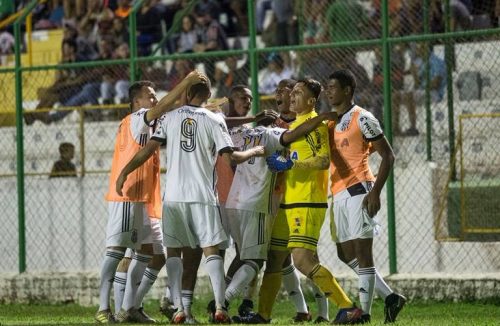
x=19, y=136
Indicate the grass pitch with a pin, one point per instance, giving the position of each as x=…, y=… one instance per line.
x=414, y=313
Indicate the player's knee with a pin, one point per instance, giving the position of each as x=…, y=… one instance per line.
x=288, y=261
x=123, y=265
x=275, y=260
x=157, y=262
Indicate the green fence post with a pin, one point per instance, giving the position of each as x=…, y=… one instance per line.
x=253, y=56
x=448, y=54
x=19, y=136
x=391, y=211
x=428, y=113
x=132, y=23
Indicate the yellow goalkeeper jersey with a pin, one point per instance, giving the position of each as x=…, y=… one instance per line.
x=307, y=187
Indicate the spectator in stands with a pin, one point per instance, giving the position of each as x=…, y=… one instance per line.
x=316, y=27
x=233, y=17
x=286, y=22
x=188, y=36
x=397, y=85
x=116, y=82
x=461, y=14
x=87, y=49
x=119, y=32
x=347, y=21
x=213, y=38
x=63, y=167
x=73, y=9
x=210, y=7
x=68, y=82
x=437, y=85
x=275, y=71
x=148, y=27
x=48, y=15
x=7, y=42
x=179, y=71
x=99, y=19
x=262, y=6
x=7, y=8
x=225, y=81
x=123, y=9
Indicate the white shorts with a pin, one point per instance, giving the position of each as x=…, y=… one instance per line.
x=191, y=225
x=152, y=234
x=251, y=231
x=125, y=224
x=348, y=219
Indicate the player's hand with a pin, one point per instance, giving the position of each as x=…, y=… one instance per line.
x=195, y=77
x=259, y=151
x=371, y=203
x=266, y=117
x=215, y=105
x=278, y=163
x=119, y=183
x=331, y=115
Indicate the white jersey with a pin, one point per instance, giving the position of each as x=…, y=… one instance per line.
x=194, y=136
x=253, y=183
x=140, y=129
x=369, y=125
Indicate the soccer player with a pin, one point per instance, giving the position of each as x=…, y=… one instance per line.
x=127, y=210
x=304, y=206
x=193, y=137
x=279, y=240
x=356, y=192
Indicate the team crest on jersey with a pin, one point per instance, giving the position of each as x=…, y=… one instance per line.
x=134, y=236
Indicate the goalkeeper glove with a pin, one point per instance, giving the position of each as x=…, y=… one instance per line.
x=278, y=163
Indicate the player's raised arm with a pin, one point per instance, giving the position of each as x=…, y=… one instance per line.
x=167, y=103
x=292, y=135
x=142, y=156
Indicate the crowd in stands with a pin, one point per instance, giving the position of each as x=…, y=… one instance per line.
x=98, y=30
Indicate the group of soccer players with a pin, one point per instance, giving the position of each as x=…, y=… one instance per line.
x=271, y=198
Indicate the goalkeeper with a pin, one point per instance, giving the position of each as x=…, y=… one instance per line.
x=304, y=203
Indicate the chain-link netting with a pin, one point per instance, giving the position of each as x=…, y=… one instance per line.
x=445, y=177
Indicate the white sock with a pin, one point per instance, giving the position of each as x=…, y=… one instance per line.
x=228, y=280
x=241, y=279
x=148, y=279
x=291, y=282
x=134, y=276
x=321, y=301
x=108, y=269
x=215, y=269
x=187, y=301
x=366, y=288
x=168, y=294
x=381, y=287
x=119, y=289
x=174, y=272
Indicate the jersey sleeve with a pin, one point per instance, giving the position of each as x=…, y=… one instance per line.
x=273, y=139
x=160, y=133
x=138, y=124
x=370, y=126
x=221, y=135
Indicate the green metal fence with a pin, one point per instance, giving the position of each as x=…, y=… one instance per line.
x=60, y=222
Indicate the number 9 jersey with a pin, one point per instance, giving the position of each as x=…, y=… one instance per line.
x=194, y=137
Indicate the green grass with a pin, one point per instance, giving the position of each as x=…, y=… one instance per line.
x=415, y=313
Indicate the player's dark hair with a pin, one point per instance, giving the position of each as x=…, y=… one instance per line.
x=345, y=79
x=136, y=88
x=288, y=82
x=312, y=85
x=65, y=146
x=199, y=90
